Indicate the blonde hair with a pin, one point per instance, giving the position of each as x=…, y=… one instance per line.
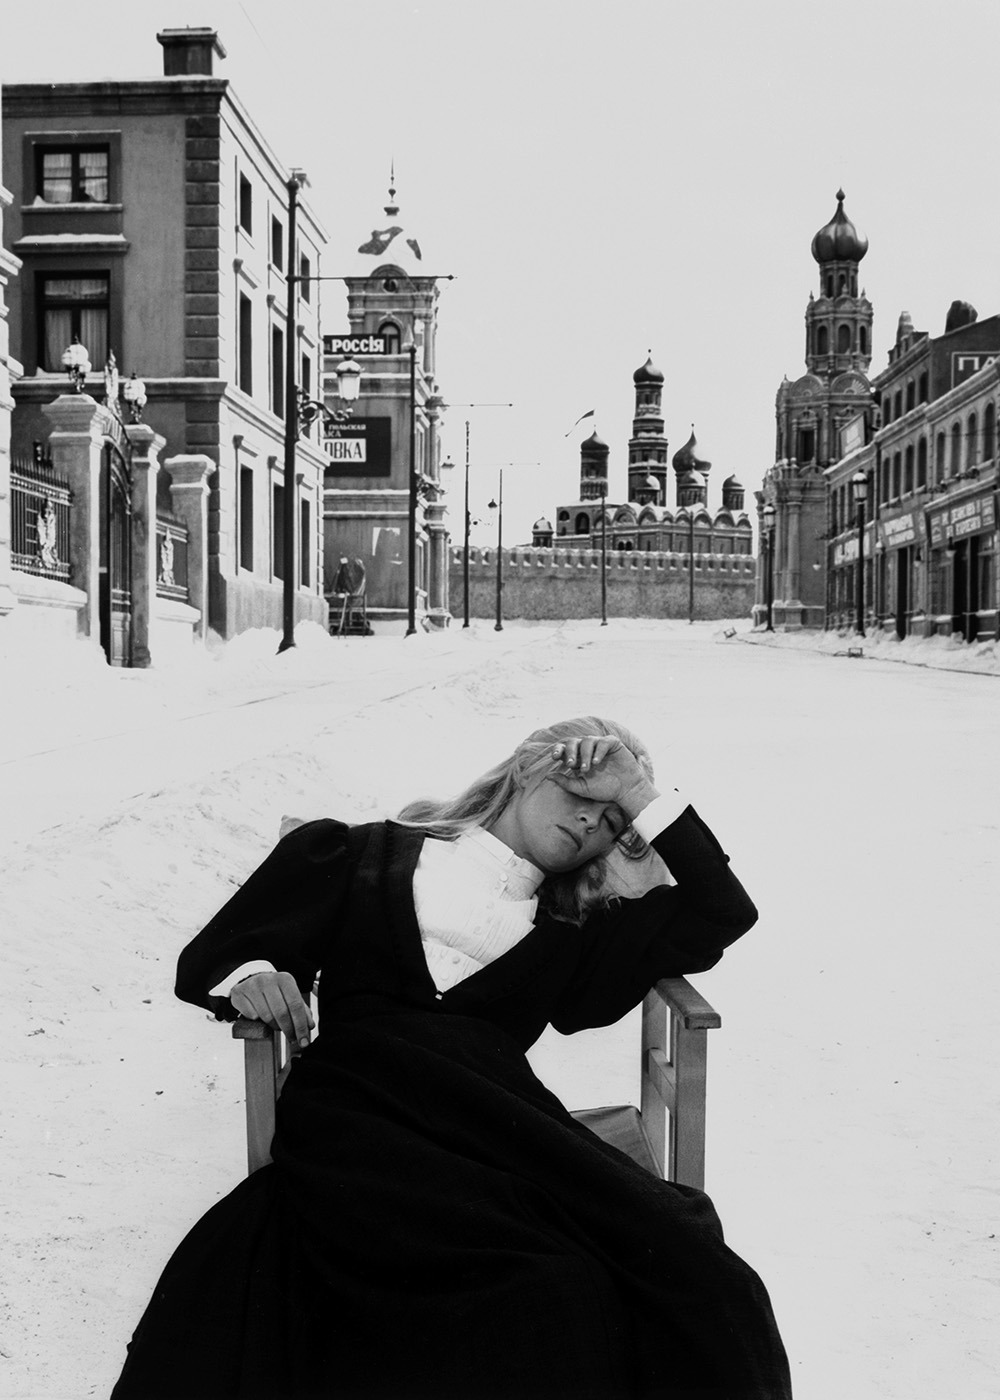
x=571, y=895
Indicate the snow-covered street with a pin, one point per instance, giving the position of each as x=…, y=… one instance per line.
x=852, y=1088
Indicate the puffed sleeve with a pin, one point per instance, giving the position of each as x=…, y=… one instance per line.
x=670, y=931
x=281, y=913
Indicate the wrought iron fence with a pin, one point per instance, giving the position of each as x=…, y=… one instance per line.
x=40, y=506
x=171, y=557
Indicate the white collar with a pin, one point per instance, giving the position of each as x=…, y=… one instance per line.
x=500, y=854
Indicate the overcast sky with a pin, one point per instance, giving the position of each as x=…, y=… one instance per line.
x=605, y=180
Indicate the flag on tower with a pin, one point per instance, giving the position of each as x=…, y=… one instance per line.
x=589, y=414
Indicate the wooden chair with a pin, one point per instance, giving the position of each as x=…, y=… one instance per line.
x=665, y=1134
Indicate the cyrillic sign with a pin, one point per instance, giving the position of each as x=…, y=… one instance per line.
x=362, y=447
x=969, y=517
x=900, y=530
x=354, y=344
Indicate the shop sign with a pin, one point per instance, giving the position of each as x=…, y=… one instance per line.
x=846, y=552
x=361, y=447
x=354, y=344
x=969, y=517
x=901, y=530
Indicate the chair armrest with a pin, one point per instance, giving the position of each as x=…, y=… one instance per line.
x=676, y=1020
x=688, y=1004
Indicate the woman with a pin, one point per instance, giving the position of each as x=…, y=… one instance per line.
x=435, y=1225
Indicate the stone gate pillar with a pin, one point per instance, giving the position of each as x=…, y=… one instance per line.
x=77, y=437
x=189, y=493
x=146, y=448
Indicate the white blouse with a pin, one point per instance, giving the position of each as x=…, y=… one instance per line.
x=475, y=899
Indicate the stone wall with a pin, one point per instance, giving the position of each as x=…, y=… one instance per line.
x=565, y=583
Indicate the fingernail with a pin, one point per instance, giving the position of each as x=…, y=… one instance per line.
x=304, y=1041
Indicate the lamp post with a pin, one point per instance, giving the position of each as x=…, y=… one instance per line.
x=76, y=363
x=604, y=553
x=769, y=514
x=497, y=506
x=468, y=517
x=859, y=487
x=691, y=563
x=411, y=591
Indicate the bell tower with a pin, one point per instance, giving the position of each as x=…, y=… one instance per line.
x=839, y=320
x=647, y=447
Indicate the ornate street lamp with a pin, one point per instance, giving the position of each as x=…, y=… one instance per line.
x=859, y=488
x=76, y=363
x=769, y=514
x=134, y=394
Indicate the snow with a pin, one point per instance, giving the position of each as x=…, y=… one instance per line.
x=852, y=1087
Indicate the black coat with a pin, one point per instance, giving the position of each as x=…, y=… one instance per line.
x=435, y=1225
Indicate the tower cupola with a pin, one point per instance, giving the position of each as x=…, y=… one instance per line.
x=691, y=469
x=839, y=240
x=839, y=320
x=593, y=468
x=648, y=447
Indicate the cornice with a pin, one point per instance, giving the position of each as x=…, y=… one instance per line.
x=182, y=95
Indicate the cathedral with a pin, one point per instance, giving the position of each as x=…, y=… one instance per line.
x=811, y=413
x=644, y=521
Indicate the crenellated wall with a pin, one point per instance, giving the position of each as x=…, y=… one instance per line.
x=563, y=583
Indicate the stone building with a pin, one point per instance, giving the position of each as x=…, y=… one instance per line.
x=9, y=371
x=928, y=553
x=151, y=218
x=810, y=414
x=392, y=297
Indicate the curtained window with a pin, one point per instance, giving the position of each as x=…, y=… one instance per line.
x=74, y=176
x=74, y=306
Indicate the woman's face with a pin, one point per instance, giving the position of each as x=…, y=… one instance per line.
x=557, y=829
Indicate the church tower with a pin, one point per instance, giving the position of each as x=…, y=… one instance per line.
x=593, y=468
x=809, y=415
x=367, y=489
x=691, y=470
x=647, y=447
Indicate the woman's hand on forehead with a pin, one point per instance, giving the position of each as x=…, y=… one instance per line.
x=600, y=767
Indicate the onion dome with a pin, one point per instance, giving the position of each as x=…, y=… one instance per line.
x=731, y=484
x=839, y=240
x=688, y=458
x=594, y=441
x=647, y=373
x=390, y=243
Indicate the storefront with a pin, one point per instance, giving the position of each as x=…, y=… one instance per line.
x=962, y=581
x=899, y=586
x=844, y=575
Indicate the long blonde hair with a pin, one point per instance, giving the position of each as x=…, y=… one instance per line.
x=571, y=895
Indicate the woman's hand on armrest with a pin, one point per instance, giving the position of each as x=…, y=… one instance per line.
x=274, y=998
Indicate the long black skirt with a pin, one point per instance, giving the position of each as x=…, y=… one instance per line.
x=436, y=1226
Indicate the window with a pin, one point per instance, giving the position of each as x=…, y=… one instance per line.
x=305, y=272
x=897, y=473
x=989, y=432
x=277, y=243
x=956, y=448
x=246, y=518
x=305, y=554
x=972, y=433
x=822, y=340
x=307, y=376
x=245, y=334
x=939, y=470
x=921, y=463
x=863, y=339
x=71, y=306
x=390, y=333
x=77, y=175
x=922, y=388
x=246, y=205
x=278, y=371
x=278, y=531
x=911, y=395
x=843, y=340
x=908, y=470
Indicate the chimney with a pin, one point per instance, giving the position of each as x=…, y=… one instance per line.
x=188, y=52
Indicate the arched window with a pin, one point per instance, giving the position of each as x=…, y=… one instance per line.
x=582, y=524
x=390, y=331
x=911, y=395
x=822, y=340
x=939, y=455
x=829, y=285
x=842, y=284
x=897, y=472
x=863, y=339
x=956, y=448
x=908, y=471
x=921, y=463
x=843, y=340
x=897, y=404
x=922, y=390
x=989, y=433
x=972, y=433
